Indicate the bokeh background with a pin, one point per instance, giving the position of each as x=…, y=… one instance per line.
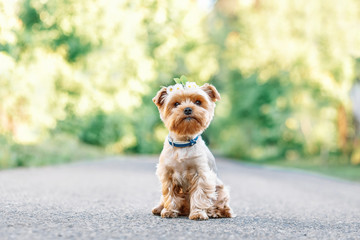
x=77, y=78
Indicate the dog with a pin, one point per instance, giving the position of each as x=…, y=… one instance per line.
x=186, y=168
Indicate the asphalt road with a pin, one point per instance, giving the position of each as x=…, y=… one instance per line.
x=113, y=198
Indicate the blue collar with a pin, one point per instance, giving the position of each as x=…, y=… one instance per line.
x=186, y=144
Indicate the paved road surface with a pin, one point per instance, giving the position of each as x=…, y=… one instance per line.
x=112, y=199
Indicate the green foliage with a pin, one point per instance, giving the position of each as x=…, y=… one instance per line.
x=263, y=122
x=74, y=44
x=28, y=15
x=145, y=121
x=102, y=129
x=182, y=80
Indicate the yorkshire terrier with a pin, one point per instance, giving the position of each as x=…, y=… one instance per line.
x=187, y=169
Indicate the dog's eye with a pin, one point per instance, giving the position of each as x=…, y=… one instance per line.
x=198, y=102
x=176, y=104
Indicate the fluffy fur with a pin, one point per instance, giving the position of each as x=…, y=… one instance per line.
x=190, y=186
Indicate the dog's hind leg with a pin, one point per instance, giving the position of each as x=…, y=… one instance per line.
x=221, y=207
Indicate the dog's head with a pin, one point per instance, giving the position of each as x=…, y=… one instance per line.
x=187, y=111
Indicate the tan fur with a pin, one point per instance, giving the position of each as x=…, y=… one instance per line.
x=190, y=186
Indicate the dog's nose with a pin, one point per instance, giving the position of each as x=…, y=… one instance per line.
x=188, y=111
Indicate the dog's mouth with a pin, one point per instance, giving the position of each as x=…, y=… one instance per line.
x=190, y=118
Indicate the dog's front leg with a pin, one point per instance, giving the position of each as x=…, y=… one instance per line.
x=157, y=210
x=202, y=194
x=171, y=198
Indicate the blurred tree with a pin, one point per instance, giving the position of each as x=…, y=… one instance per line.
x=307, y=51
x=90, y=68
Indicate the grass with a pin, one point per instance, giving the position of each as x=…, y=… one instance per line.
x=55, y=150
x=334, y=168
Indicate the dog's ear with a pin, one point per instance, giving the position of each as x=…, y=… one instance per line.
x=211, y=91
x=159, y=99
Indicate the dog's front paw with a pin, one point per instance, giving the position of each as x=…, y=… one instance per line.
x=227, y=213
x=157, y=210
x=224, y=212
x=198, y=215
x=168, y=213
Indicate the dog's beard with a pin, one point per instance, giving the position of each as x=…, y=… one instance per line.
x=188, y=125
